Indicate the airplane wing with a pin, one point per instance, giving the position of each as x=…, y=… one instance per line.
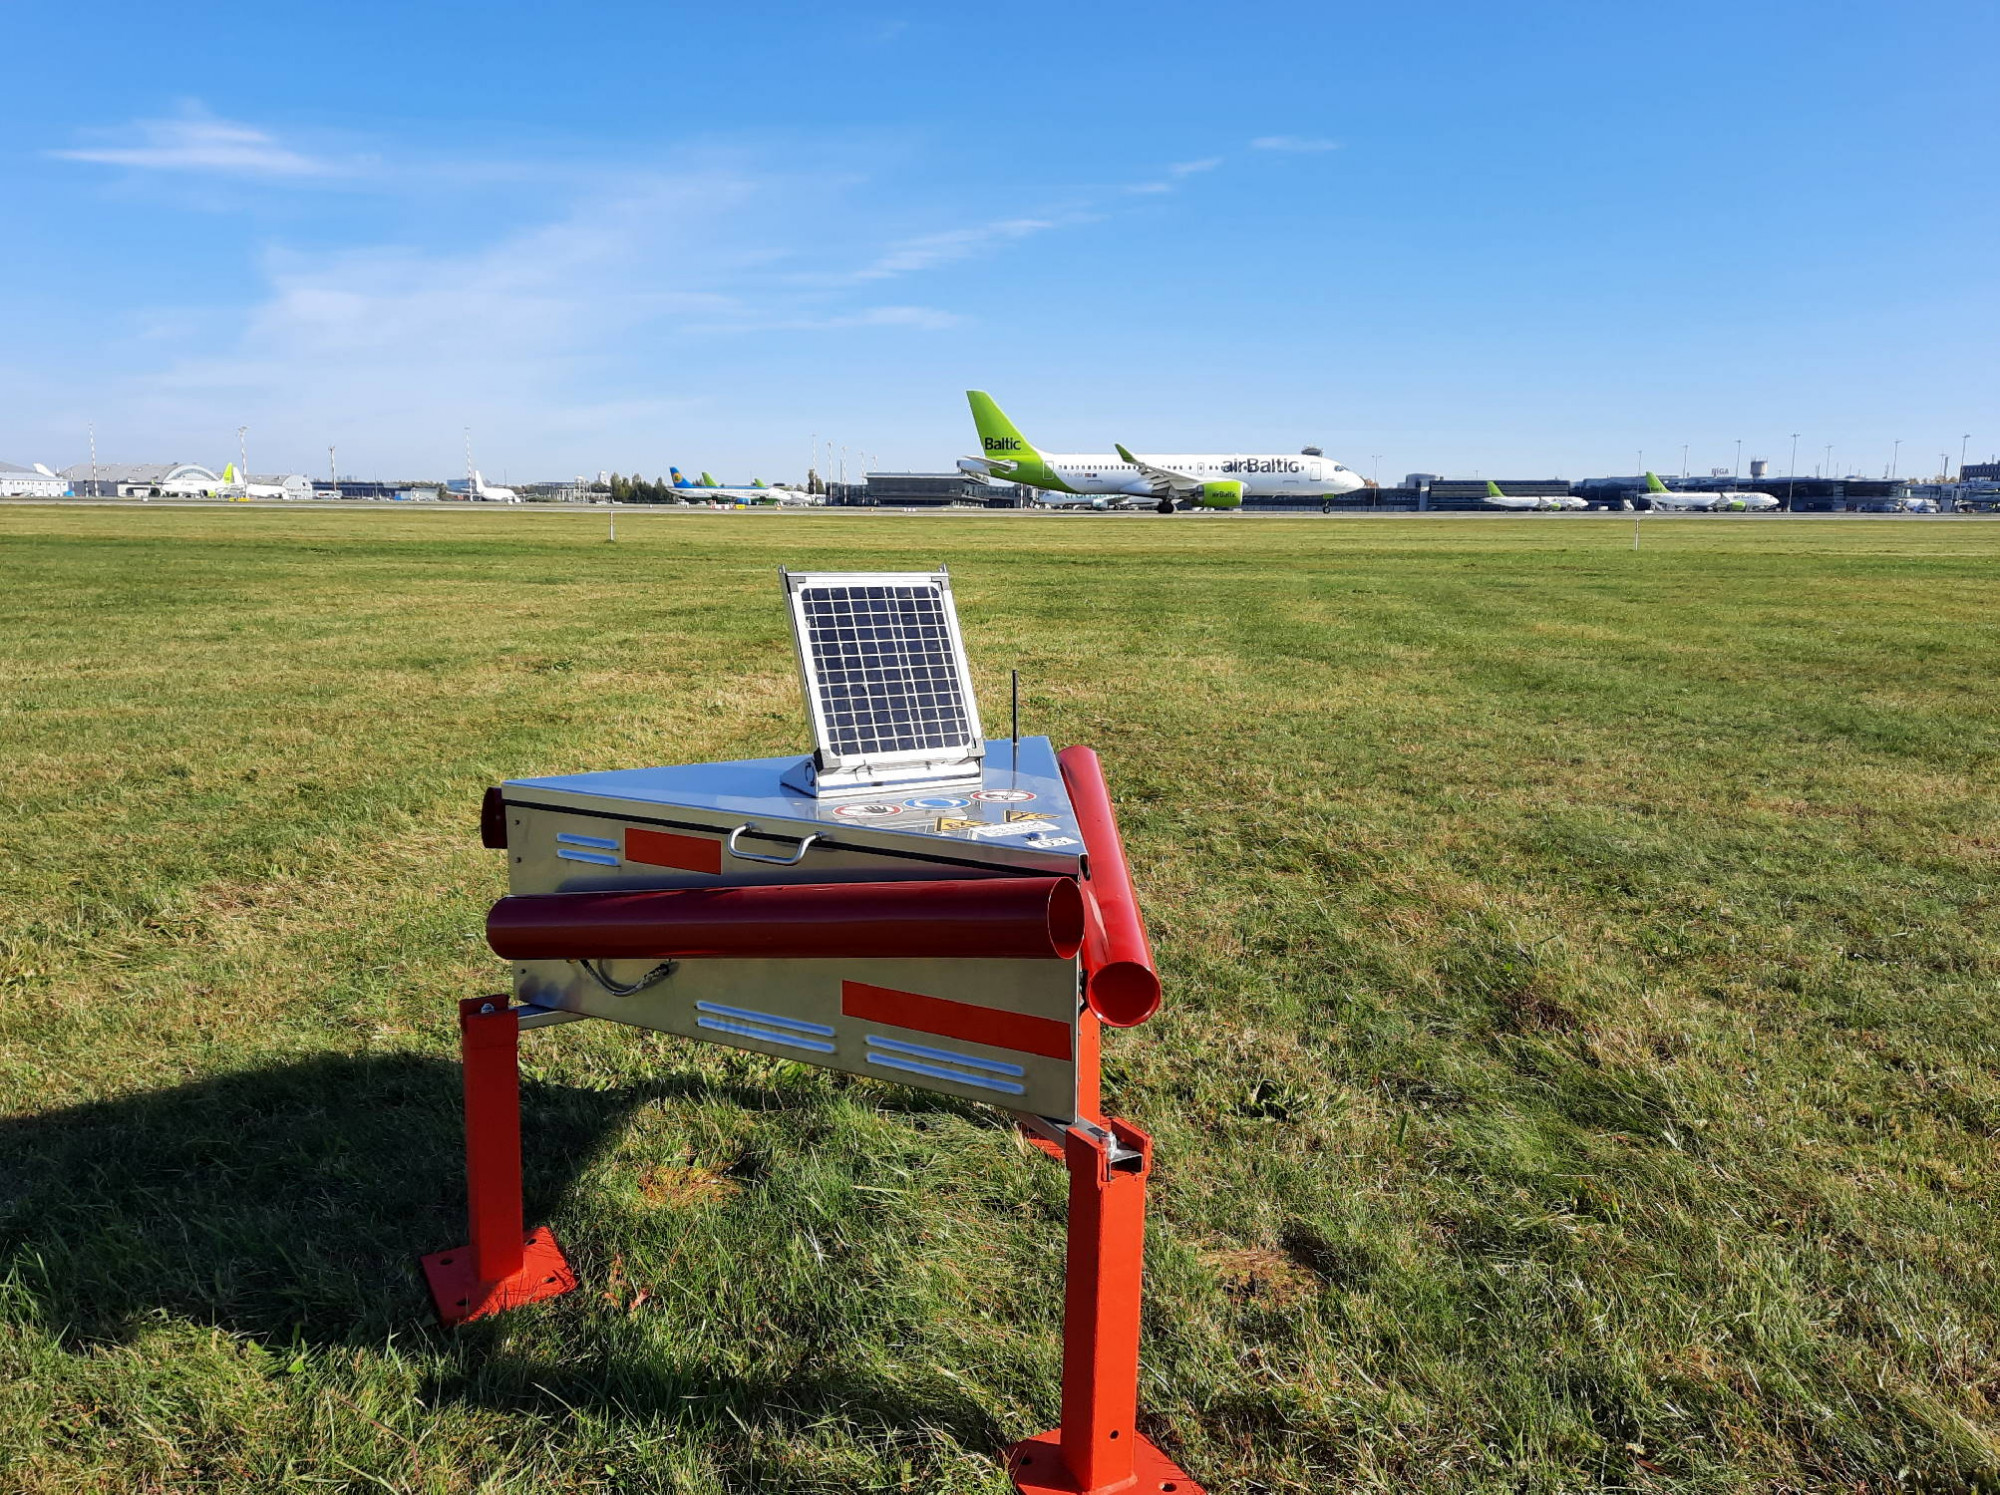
x=991, y=467
x=1164, y=482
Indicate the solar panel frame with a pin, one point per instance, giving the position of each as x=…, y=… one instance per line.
x=887, y=686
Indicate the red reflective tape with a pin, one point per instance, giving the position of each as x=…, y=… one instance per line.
x=664, y=849
x=961, y=1020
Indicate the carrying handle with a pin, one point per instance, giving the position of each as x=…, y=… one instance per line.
x=750, y=856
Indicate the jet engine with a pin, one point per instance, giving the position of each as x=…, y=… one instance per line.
x=1226, y=495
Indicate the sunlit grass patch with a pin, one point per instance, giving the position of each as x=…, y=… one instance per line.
x=1577, y=1071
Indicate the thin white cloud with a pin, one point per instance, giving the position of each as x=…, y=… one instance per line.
x=918, y=318
x=198, y=141
x=930, y=250
x=1176, y=174
x=1300, y=143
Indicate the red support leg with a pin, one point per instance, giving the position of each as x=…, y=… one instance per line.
x=501, y=1267
x=1097, y=1450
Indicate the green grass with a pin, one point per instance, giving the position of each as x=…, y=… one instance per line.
x=1578, y=1068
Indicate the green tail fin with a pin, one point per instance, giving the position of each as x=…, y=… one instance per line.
x=997, y=436
x=229, y=473
x=1493, y=489
x=1654, y=485
x=707, y=481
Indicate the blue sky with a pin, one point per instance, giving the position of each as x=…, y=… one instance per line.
x=1530, y=240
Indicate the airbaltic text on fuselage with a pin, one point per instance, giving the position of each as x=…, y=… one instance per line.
x=1001, y=443
x=1264, y=464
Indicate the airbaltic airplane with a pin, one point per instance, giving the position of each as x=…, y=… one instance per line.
x=241, y=489
x=1545, y=501
x=1711, y=502
x=1208, y=481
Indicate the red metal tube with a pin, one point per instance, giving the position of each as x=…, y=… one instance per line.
x=999, y=918
x=1122, y=987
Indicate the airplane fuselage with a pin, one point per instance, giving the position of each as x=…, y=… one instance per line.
x=1087, y=472
x=1545, y=503
x=1714, y=502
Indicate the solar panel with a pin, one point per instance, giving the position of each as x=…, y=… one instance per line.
x=885, y=679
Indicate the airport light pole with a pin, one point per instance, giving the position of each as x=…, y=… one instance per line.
x=1684, y=459
x=1961, y=454
x=242, y=455
x=1829, y=459
x=1376, y=458
x=1895, y=458
x=1792, y=479
x=93, y=458
x=1738, y=469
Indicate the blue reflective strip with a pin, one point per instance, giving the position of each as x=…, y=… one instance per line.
x=937, y=1072
x=923, y=1053
x=597, y=857
x=604, y=842
x=765, y=1017
x=761, y=1036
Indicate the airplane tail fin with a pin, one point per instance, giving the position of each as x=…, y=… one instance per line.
x=229, y=473
x=1654, y=485
x=997, y=435
x=707, y=481
x=679, y=481
x=1493, y=489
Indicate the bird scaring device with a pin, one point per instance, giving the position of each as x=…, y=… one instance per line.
x=910, y=902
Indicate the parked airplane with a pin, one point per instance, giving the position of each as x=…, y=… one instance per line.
x=238, y=487
x=1205, y=481
x=1712, y=502
x=757, y=492
x=1545, y=501
x=485, y=492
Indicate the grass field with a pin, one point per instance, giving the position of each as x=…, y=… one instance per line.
x=1578, y=1067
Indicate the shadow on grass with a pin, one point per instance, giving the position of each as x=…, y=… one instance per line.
x=282, y=1202
x=290, y=1204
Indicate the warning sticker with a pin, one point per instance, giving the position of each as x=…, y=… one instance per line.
x=938, y=802
x=1004, y=796
x=958, y=823
x=867, y=812
x=987, y=830
x=1029, y=815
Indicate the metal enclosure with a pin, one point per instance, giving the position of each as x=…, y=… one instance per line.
x=1003, y=1031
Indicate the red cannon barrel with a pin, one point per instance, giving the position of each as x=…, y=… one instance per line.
x=1000, y=918
x=1122, y=987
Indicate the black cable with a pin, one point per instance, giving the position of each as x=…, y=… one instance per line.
x=653, y=977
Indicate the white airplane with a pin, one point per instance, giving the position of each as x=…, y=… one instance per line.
x=239, y=488
x=485, y=492
x=758, y=491
x=1712, y=502
x=1543, y=502
x=1204, y=481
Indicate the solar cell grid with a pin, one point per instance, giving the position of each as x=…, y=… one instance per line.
x=887, y=678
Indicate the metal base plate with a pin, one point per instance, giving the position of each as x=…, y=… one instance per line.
x=459, y=1296
x=1037, y=1468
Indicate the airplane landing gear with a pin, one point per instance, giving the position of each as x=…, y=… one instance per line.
x=1166, y=506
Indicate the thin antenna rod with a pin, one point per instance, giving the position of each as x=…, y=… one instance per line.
x=1015, y=697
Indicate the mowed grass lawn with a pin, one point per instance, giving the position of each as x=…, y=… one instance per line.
x=1578, y=1068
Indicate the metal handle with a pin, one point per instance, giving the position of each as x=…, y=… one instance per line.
x=751, y=856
